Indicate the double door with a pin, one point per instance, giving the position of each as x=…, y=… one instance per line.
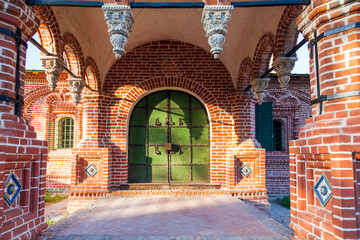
x=169, y=139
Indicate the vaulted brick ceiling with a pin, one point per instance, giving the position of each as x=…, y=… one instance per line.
x=246, y=28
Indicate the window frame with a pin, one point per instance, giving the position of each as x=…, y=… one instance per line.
x=58, y=131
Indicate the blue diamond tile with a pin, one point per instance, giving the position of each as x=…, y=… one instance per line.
x=12, y=189
x=323, y=190
x=245, y=170
x=91, y=170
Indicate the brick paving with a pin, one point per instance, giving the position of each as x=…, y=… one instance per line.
x=168, y=218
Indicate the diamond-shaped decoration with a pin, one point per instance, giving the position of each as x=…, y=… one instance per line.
x=91, y=170
x=12, y=189
x=245, y=170
x=323, y=190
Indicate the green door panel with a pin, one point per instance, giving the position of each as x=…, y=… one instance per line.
x=138, y=117
x=180, y=117
x=159, y=158
x=201, y=173
x=159, y=173
x=138, y=135
x=183, y=158
x=200, y=136
x=179, y=99
x=137, y=173
x=201, y=155
x=137, y=154
x=180, y=136
x=158, y=100
x=198, y=117
x=157, y=135
x=157, y=117
x=196, y=103
x=181, y=173
x=188, y=132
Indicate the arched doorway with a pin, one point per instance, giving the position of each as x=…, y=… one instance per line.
x=169, y=139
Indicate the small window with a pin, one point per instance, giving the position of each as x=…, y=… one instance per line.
x=66, y=133
x=277, y=135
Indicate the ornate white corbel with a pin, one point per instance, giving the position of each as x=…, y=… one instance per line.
x=53, y=69
x=76, y=85
x=259, y=86
x=215, y=19
x=119, y=20
x=283, y=67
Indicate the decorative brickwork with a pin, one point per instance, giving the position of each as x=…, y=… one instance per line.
x=328, y=144
x=21, y=153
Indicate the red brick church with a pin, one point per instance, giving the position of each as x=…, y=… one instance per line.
x=140, y=98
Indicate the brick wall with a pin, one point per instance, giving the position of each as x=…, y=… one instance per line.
x=291, y=108
x=21, y=153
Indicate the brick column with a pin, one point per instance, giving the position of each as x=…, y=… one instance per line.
x=21, y=155
x=329, y=143
x=92, y=149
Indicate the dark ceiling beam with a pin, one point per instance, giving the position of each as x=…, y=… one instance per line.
x=61, y=3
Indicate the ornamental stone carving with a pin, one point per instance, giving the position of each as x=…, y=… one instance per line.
x=53, y=69
x=119, y=20
x=76, y=85
x=283, y=67
x=259, y=86
x=215, y=19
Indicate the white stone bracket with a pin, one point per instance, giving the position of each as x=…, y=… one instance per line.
x=259, y=85
x=215, y=20
x=119, y=19
x=76, y=85
x=53, y=68
x=283, y=67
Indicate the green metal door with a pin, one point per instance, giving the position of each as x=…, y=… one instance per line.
x=169, y=139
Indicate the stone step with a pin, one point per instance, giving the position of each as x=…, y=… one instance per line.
x=171, y=186
x=172, y=193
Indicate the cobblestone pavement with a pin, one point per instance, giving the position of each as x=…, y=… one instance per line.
x=168, y=218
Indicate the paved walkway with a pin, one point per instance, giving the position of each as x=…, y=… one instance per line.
x=168, y=218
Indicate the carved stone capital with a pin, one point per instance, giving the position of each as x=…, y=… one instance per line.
x=215, y=19
x=76, y=85
x=283, y=67
x=53, y=69
x=119, y=19
x=259, y=86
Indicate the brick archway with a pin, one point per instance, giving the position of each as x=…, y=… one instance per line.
x=262, y=56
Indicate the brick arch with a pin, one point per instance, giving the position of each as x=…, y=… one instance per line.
x=263, y=52
x=191, y=86
x=34, y=95
x=49, y=30
x=286, y=35
x=73, y=53
x=245, y=73
x=50, y=98
x=91, y=73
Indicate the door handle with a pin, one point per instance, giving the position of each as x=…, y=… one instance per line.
x=157, y=152
x=180, y=122
x=157, y=122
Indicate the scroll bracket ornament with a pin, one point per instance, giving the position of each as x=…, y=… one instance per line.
x=215, y=20
x=283, y=67
x=76, y=85
x=119, y=19
x=53, y=68
x=259, y=86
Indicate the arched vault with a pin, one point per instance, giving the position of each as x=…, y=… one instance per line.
x=247, y=25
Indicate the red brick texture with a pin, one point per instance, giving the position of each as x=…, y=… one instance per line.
x=328, y=143
x=20, y=152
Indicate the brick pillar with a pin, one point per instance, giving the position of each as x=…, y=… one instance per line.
x=92, y=149
x=21, y=155
x=329, y=143
x=246, y=150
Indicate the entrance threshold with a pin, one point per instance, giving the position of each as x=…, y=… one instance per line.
x=170, y=186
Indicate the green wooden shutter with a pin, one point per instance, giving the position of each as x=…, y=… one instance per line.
x=264, y=124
